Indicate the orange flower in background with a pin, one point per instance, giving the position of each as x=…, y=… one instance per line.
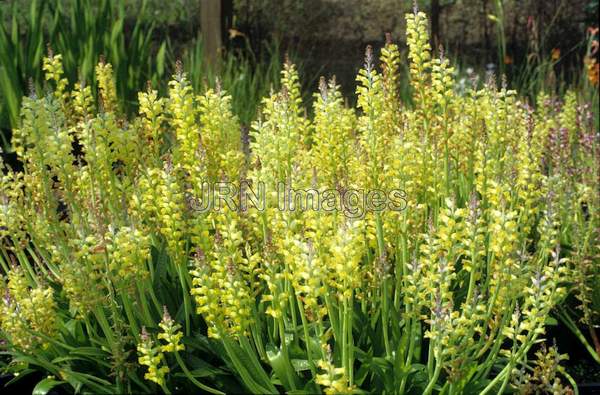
x=233, y=33
x=591, y=61
x=555, y=54
x=594, y=47
x=593, y=72
x=508, y=59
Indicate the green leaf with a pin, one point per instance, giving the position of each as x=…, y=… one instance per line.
x=90, y=352
x=282, y=367
x=160, y=59
x=201, y=368
x=98, y=385
x=44, y=386
x=252, y=375
x=300, y=365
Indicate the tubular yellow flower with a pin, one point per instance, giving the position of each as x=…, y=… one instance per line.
x=308, y=275
x=151, y=356
x=171, y=334
x=334, y=143
x=27, y=312
x=151, y=110
x=190, y=149
x=279, y=139
x=504, y=267
x=83, y=101
x=14, y=326
x=128, y=250
x=53, y=68
x=344, y=261
x=39, y=308
x=419, y=54
x=390, y=60
x=162, y=203
x=374, y=141
x=106, y=84
x=544, y=377
x=442, y=82
x=13, y=213
x=220, y=284
x=333, y=380
x=81, y=275
x=221, y=136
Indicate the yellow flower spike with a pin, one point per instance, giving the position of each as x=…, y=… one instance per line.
x=44, y=144
x=333, y=379
x=308, y=275
x=25, y=310
x=544, y=376
x=83, y=101
x=419, y=55
x=593, y=70
x=152, y=115
x=53, y=68
x=181, y=106
x=334, y=143
x=81, y=276
x=106, y=84
x=344, y=260
x=128, y=249
x=224, y=275
x=169, y=204
x=13, y=212
x=373, y=124
x=171, y=334
x=280, y=138
x=390, y=60
x=221, y=136
x=152, y=357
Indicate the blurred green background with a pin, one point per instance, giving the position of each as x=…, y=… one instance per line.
x=536, y=44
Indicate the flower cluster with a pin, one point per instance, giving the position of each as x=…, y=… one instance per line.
x=171, y=334
x=152, y=357
x=450, y=294
x=28, y=315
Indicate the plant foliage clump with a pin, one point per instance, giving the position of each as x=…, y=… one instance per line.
x=116, y=280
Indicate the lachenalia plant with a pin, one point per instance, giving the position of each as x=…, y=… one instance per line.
x=429, y=249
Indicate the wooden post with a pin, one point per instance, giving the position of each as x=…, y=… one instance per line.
x=210, y=27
